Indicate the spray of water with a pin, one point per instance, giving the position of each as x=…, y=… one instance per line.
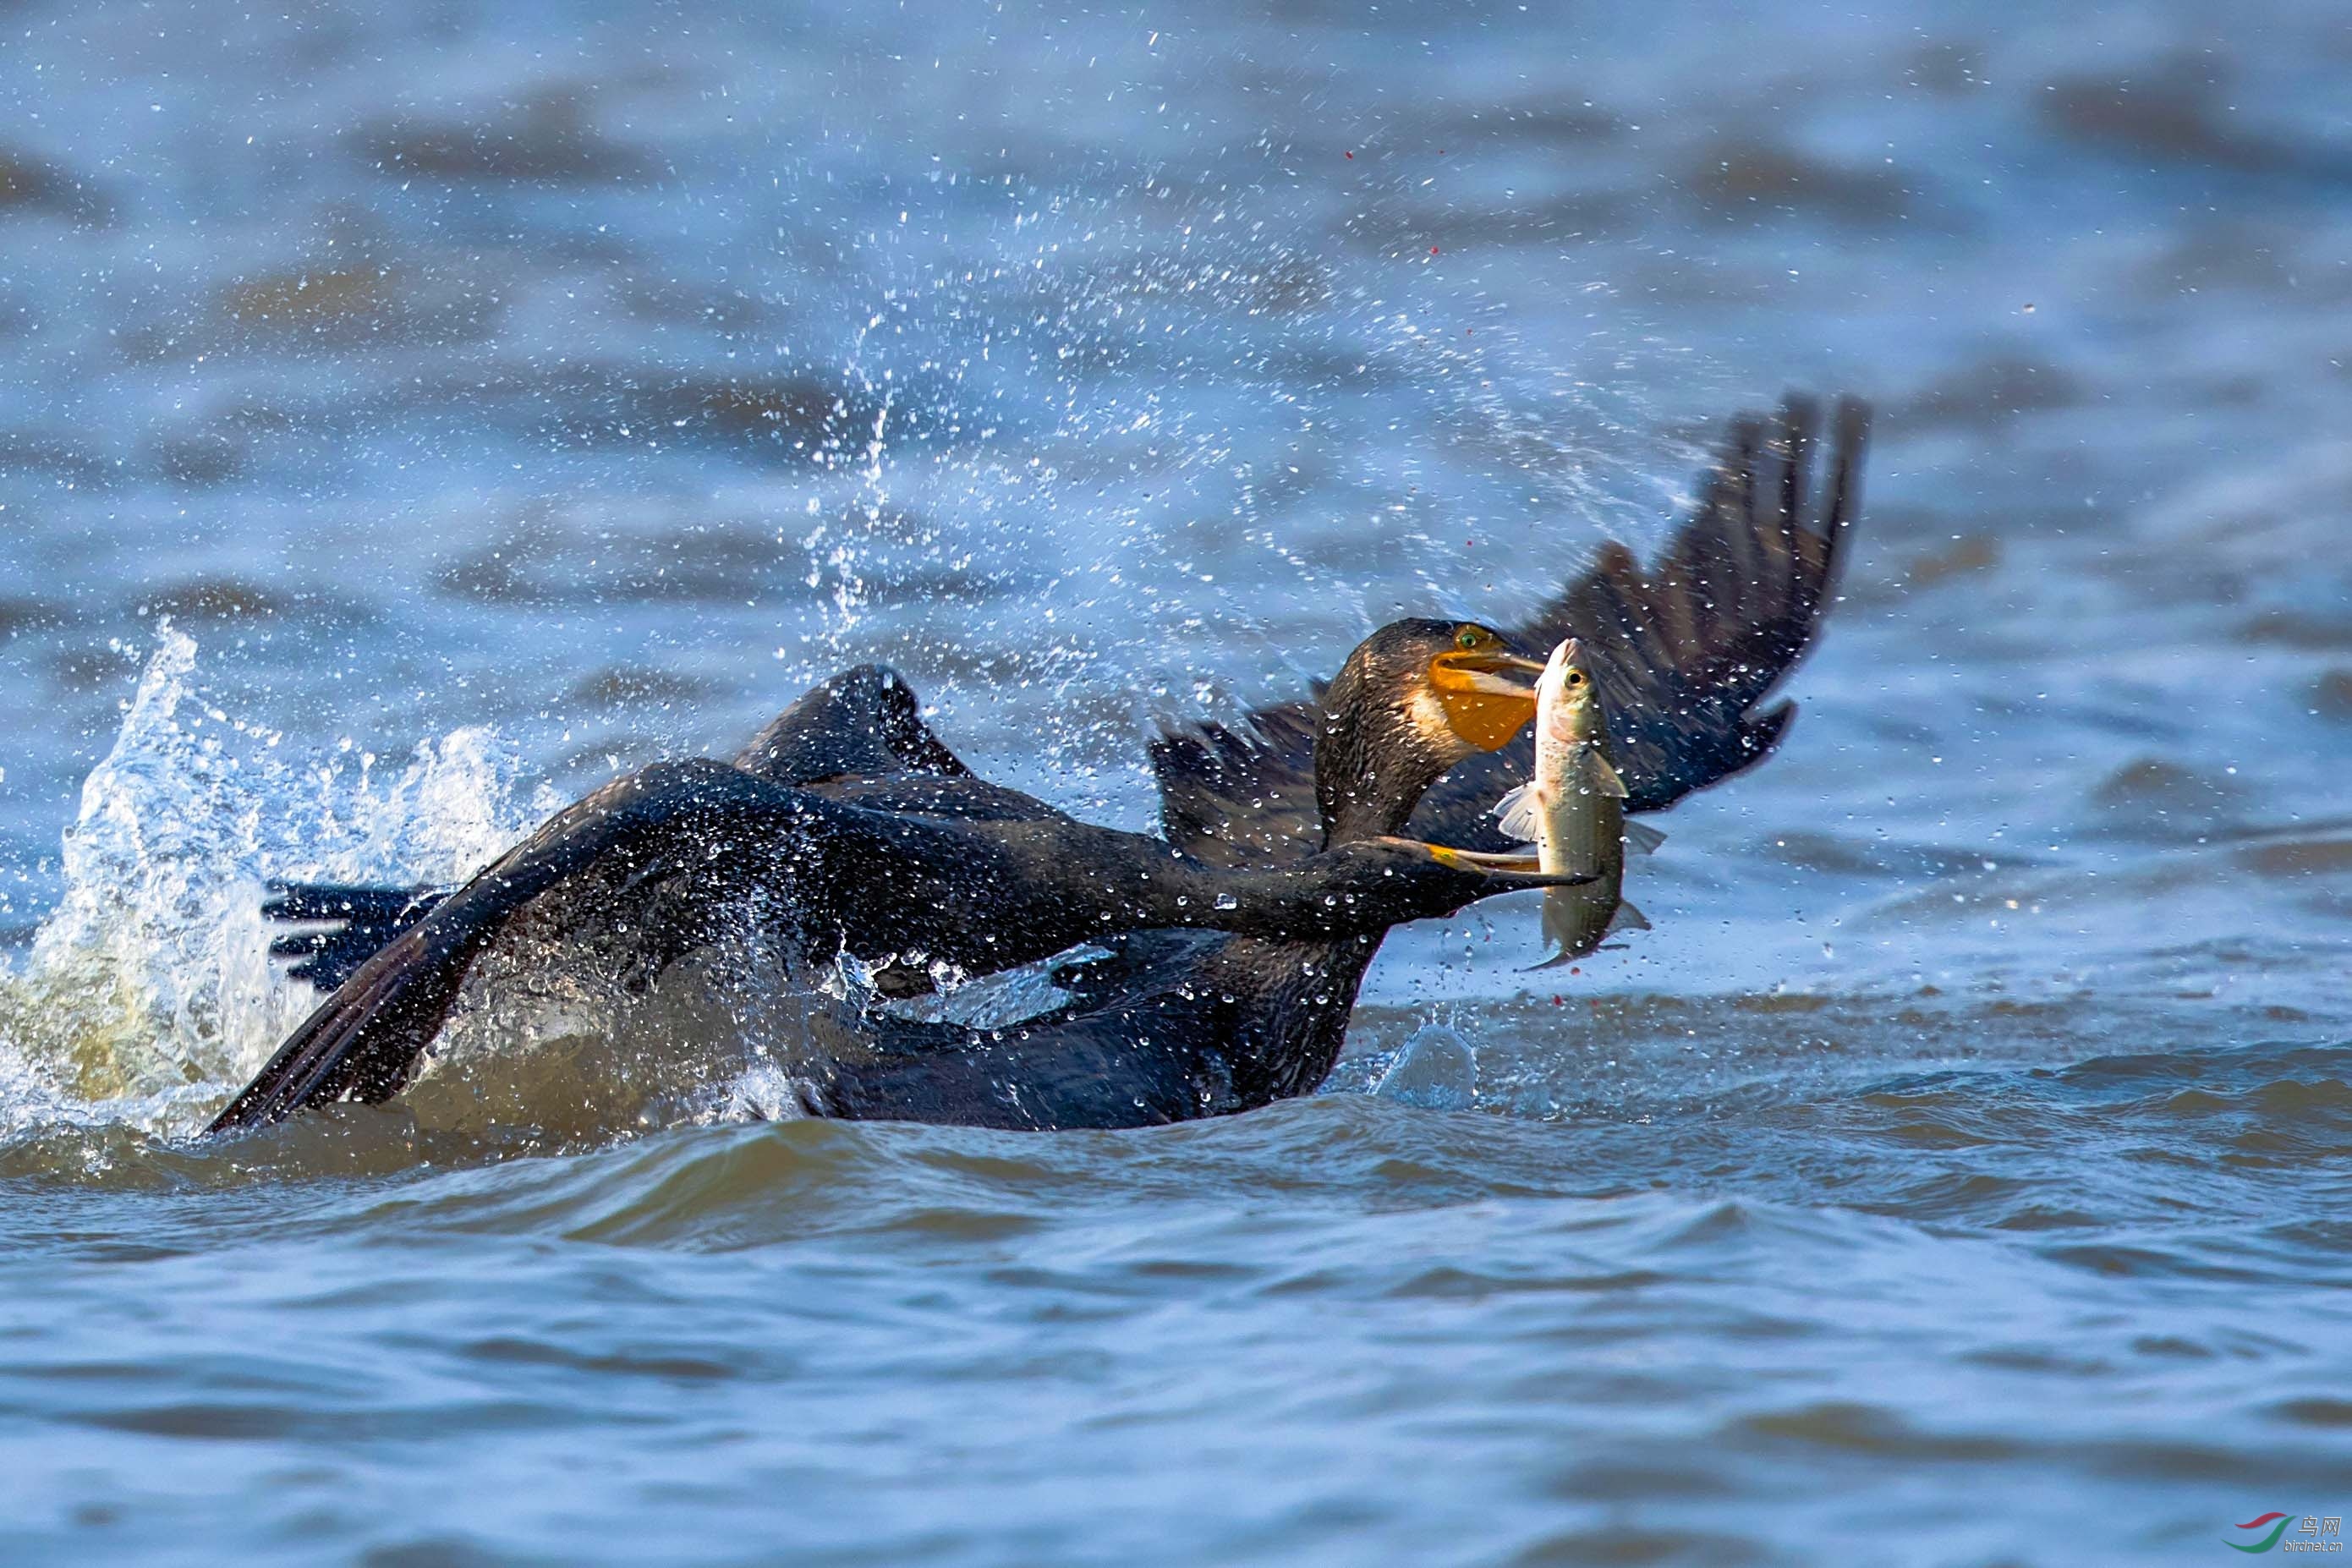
x=151, y=985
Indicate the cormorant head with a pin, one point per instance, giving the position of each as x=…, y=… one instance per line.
x=1415, y=698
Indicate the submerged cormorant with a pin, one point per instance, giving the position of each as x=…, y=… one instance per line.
x=1178, y=1024
x=848, y=828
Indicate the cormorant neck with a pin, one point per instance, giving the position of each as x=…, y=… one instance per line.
x=1377, y=754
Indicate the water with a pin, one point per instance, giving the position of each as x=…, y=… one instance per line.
x=418, y=416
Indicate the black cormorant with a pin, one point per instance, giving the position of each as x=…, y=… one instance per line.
x=1176, y=1023
x=1683, y=656
x=848, y=828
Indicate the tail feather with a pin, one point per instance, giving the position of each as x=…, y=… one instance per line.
x=350, y=925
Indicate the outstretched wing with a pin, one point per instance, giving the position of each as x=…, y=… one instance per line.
x=1242, y=796
x=364, y=1041
x=862, y=724
x=859, y=738
x=1683, y=654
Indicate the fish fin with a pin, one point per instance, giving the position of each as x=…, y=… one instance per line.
x=1552, y=962
x=1566, y=928
x=1518, y=813
x=1627, y=918
x=1641, y=838
x=1594, y=774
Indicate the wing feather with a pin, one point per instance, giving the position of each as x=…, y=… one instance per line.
x=1684, y=656
x=366, y=1038
x=1241, y=796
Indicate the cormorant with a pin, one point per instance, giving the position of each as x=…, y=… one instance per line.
x=1682, y=655
x=1180, y=1023
x=1183, y=1025
x=1175, y=1028
x=848, y=828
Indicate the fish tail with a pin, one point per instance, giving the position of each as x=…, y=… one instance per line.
x=1565, y=927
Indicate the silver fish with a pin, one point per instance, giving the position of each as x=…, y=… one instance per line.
x=1574, y=811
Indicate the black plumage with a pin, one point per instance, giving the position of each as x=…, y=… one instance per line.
x=895, y=853
x=1175, y=1023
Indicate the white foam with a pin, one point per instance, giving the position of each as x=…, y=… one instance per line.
x=153, y=974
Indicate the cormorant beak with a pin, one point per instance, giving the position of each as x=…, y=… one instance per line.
x=1510, y=870
x=1483, y=701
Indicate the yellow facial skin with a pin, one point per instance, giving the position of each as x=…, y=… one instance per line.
x=1482, y=706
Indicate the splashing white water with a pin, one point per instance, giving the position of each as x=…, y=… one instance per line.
x=152, y=983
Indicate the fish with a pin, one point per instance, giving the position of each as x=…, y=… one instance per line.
x=1574, y=811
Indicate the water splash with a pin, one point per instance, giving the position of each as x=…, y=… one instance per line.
x=1436, y=1070
x=150, y=984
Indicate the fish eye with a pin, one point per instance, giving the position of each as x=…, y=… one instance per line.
x=1575, y=678
x=1468, y=638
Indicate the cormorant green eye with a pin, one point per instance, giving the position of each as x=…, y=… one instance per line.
x=1468, y=638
